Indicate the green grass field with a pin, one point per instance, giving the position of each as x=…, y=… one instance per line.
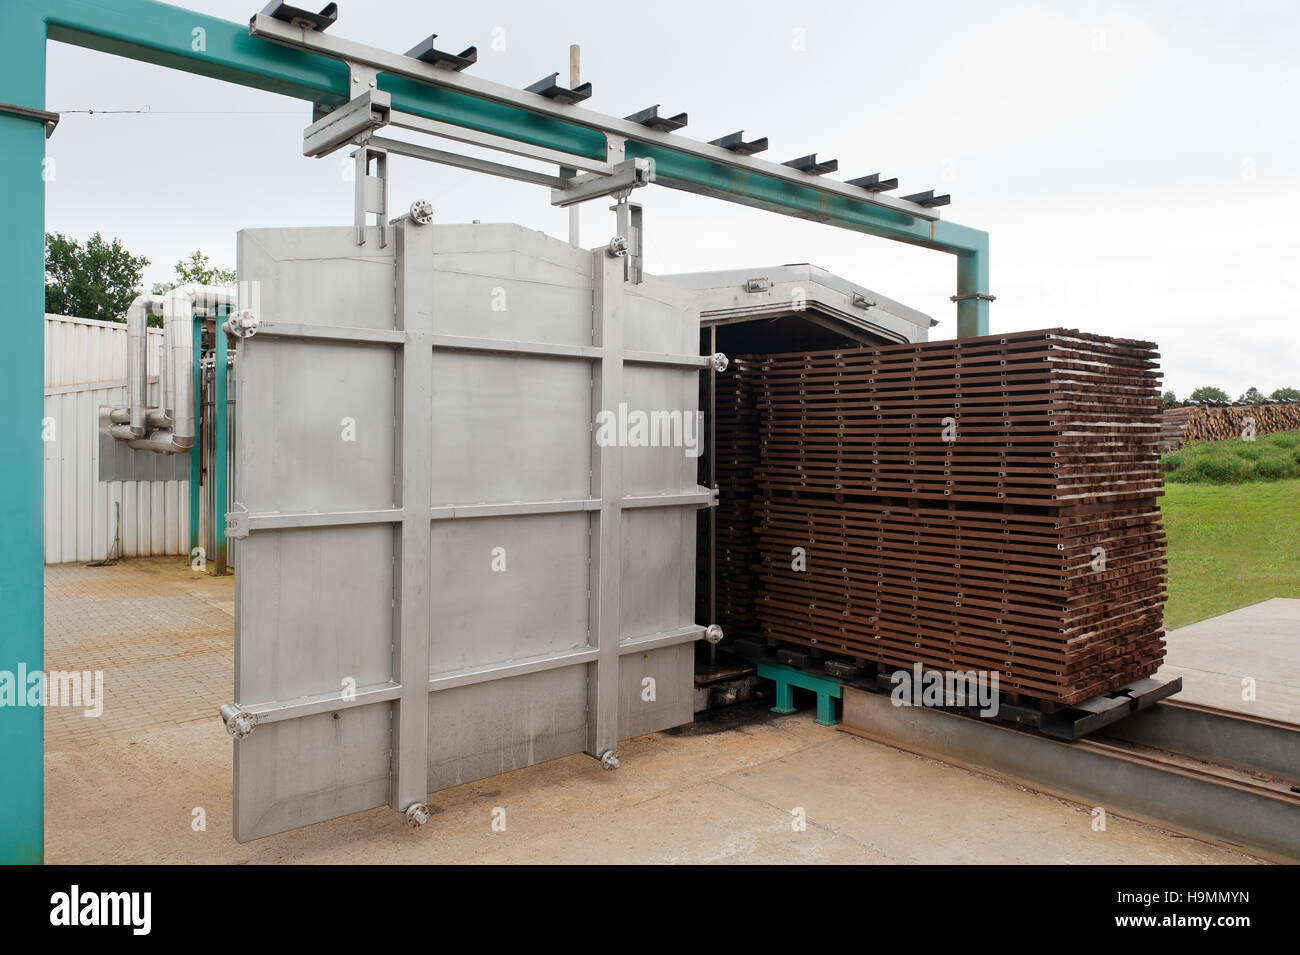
x=1230, y=545
x=1270, y=457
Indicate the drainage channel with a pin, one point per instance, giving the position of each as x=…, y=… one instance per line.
x=1207, y=773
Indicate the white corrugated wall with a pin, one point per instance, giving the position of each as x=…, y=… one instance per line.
x=85, y=367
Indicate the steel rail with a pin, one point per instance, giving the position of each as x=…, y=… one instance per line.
x=1150, y=787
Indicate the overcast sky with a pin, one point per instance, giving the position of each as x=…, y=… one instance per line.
x=1136, y=165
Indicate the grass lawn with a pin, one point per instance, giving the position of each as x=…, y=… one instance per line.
x=1267, y=458
x=1230, y=545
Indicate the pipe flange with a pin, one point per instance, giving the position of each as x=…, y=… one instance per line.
x=713, y=634
x=239, y=723
x=609, y=760
x=417, y=814
x=720, y=362
x=617, y=247
x=243, y=324
x=421, y=211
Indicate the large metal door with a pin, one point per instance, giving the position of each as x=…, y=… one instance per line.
x=447, y=572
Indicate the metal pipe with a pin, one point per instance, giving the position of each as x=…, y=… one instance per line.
x=180, y=380
x=159, y=440
x=153, y=417
x=178, y=359
x=170, y=428
x=137, y=360
x=196, y=458
x=218, y=474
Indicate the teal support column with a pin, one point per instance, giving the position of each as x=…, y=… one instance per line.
x=22, y=364
x=972, y=279
x=217, y=466
x=196, y=452
x=784, y=698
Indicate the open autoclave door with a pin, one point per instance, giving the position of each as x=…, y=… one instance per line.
x=444, y=574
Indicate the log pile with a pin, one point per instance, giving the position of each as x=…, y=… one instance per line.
x=988, y=504
x=1225, y=422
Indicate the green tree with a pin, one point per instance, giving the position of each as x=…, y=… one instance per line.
x=198, y=269
x=97, y=280
x=1209, y=393
x=1168, y=400
x=1252, y=396
x=1286, y=394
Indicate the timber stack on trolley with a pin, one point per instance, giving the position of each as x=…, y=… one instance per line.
x=984, y=504
x=736, y=429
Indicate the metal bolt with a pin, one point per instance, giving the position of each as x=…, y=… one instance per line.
x=421, y=211
x=239, y=723
x=617, y=247
x=609, y=760
x=713, y=633
x=720, y=362
x=243, y=324
x=417, y=814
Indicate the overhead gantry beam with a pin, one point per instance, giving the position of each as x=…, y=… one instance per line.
x=306, y=64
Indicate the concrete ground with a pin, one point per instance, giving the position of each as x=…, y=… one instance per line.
x=1259, y=644
x=745, y=787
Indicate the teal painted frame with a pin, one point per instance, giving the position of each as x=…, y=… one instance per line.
x=196, y=455
x=180, y=39
x=828, y=690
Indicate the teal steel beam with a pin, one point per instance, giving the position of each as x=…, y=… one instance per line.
x=22, y=367
x=180, y=39
x=196, y=453
x=175, y=37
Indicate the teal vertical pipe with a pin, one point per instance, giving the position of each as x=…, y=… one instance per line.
x=217, y=467
x=22, y=364
x=196, y=452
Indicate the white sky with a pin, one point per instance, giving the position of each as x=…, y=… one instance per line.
x=1136, y=165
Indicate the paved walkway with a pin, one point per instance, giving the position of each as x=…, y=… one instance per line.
x=162, y=634
x=1259, y=643
x=150, y=780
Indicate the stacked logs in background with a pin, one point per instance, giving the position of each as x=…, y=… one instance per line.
x=1220, y=423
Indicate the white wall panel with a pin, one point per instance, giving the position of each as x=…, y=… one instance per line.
x=85, y=367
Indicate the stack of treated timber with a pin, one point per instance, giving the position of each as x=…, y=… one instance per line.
x=986, y=504
x=736, y=461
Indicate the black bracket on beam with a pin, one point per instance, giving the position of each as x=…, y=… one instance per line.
x=928, y=199
x=551, y=90
x=319, y=22
x=651, y=118
x=735, y=142
x=455, y=62
x=40, y=115
x=810, y=165
x=874, y=183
